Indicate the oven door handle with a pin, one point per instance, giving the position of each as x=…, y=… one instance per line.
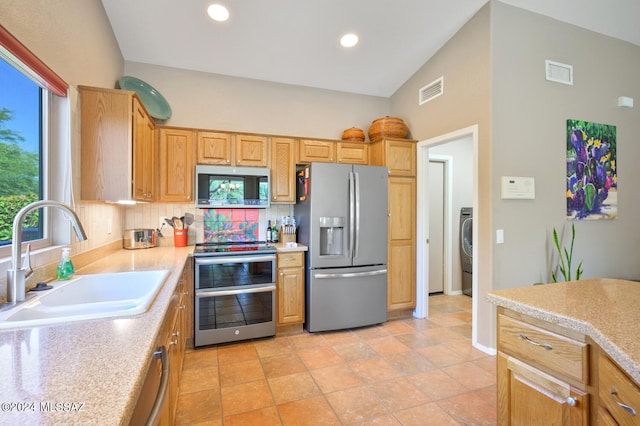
x=215, y=293
x=216, y=260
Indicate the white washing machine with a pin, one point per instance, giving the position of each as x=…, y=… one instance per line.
x=466, y=249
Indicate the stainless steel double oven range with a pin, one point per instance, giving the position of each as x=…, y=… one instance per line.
x=234, y=292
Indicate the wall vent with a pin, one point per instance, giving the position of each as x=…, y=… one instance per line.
x=559, y=73
x=431, y=91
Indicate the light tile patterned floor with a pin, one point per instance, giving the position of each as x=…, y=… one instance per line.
x=403, y=372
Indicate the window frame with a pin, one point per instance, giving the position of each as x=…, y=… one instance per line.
x=55, y=129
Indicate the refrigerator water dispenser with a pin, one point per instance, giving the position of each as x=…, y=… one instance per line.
x=331, y=235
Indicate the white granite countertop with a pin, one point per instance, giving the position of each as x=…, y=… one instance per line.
x=283, y=248
x=93, y=369
x=606, y=310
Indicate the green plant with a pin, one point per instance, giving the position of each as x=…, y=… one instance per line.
x=565, y=257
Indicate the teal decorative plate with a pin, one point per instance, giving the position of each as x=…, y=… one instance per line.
x=156, y=105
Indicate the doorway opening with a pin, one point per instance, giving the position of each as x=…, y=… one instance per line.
x=458, y=151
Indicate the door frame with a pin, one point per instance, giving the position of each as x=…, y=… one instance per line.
x=447, y=161
x=422, y=248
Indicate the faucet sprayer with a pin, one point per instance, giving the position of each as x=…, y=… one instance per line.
x=16, y=275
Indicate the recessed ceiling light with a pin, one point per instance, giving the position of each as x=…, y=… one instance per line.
x=218, y=12
x=349, y=40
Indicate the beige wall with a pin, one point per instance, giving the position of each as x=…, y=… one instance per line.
x=528, y=139
x=212, y=101
x=74, y=39
x=464, y=62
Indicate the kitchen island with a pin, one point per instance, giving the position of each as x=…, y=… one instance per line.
x=87, y=372
x=577, y=341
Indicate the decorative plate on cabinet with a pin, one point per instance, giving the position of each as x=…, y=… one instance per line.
x=156, y=105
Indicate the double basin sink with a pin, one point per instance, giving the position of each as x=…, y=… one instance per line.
x=87, y=297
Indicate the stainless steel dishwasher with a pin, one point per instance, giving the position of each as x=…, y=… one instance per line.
x=154, y=390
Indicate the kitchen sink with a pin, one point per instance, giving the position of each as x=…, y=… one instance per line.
x=87, y=297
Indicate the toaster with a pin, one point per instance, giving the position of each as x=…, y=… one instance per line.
x=139, y=238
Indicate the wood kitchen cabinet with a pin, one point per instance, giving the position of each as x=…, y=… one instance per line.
x=176, y=164
x=544, y=373
x=352, y=152
x=283, y=171
x=214, y=148
x=619, y=396
x=232, y=149
x=251, y=150
x=117, y=153
x=290, y=288
x=399, y=157
x=313, y=150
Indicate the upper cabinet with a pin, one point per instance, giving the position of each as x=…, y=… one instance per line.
x=353, y=153
x=399, y=155
x=283, y=171
x=176, y=164
x=232, y=149
x=251, y=150
x=310, y=150
x=318, y=151
x=214, y=148
x=117, y=153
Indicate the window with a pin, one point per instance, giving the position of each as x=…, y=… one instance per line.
x=21, y=152
x=34, y=127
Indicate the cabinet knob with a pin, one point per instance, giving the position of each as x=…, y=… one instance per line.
x=571, y=401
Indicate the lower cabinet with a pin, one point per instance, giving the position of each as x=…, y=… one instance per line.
x=175, y=334
x=543, y=373
x=290, y=288
x=619, y=396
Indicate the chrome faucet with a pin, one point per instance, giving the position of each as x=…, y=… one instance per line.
x=17, y=275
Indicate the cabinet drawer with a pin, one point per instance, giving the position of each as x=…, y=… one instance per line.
x=616, y=391
x=290, y=260
x=548, y=350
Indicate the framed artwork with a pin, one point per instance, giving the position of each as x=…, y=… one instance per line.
x=592, y=178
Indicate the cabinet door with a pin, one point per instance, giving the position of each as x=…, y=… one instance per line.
x=318, y=151
x=398, y=155
x=283, y=171
x=107, y=144
x=214, y=148
x=401, y=237
x=290, y=296
x=143, y=153
x=353, y=153
x=251, y=150
x=176, y=165
x=529, y=396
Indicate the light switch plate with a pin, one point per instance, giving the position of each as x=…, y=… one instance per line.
x=518, y=188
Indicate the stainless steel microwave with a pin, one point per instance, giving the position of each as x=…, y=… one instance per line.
x=232, y=187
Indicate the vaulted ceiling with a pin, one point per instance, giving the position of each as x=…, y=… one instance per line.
x=297, y=41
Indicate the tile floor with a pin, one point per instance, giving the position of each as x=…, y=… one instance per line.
x=403, y=372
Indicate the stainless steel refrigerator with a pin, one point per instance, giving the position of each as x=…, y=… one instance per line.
x=341, y=213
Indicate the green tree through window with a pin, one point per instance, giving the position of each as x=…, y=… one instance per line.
x=20, y=151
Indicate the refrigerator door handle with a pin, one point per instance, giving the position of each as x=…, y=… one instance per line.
x=352, y=213
x=351, y=274
x=357, y=208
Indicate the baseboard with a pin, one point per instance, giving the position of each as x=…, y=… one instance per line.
x=485, y=349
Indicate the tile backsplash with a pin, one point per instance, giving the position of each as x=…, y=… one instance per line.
x=152, y=216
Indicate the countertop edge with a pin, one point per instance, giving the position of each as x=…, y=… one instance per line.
x=611, y=349
x=106, y=368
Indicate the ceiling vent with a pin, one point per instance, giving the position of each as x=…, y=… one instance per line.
x=431, y=91
x=559, y=73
